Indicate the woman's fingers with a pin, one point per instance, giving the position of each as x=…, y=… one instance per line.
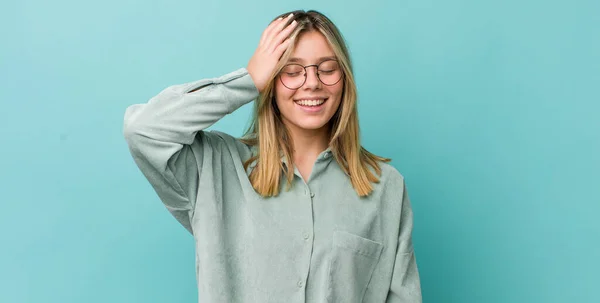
x=267, y=30
x=281, y=48
x=281, y=36
x=276, y=29
x=271, y=46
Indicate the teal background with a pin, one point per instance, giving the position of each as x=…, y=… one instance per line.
x=488, y=108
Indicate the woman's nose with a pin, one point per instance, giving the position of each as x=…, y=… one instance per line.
x=312, y=79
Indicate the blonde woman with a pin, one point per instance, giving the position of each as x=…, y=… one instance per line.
x=296, y=210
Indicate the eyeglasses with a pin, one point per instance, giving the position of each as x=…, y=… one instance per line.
x=293, y=76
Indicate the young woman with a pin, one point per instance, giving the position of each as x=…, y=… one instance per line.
x=340, y=230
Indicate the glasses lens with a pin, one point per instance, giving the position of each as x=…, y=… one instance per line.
x=330, y=72
x=292, y=76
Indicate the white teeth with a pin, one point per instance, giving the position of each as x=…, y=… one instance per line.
x=311, y=102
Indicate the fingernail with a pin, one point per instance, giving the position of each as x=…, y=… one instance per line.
x=291, y=15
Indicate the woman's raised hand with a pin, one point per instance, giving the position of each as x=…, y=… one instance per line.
x=273, y=42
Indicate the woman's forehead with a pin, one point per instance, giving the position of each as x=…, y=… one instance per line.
x=311, y=47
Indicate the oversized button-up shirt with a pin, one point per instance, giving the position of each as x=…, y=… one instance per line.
x=317, y=242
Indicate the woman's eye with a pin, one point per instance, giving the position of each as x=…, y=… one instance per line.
x=293, y=74
x=326, y=71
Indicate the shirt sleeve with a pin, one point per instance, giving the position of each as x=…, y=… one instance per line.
x=166, y=139
x=405, y=286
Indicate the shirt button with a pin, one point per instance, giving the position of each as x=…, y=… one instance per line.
x=300, y=283
x=306, y=236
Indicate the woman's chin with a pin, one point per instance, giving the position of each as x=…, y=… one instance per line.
x=317, y=125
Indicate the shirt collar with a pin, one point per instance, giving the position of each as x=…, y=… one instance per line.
x=326, y=154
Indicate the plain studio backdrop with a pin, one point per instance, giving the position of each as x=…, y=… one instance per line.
x=490, y=109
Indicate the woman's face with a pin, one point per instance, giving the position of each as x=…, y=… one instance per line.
x=301, y=108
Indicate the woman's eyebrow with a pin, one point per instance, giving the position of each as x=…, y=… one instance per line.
x=299, y=60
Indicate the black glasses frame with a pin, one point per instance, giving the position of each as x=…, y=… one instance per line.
x=306, y=74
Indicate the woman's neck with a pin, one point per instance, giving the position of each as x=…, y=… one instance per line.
x=308, y=143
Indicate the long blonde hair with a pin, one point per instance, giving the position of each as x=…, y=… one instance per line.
x=271, y=138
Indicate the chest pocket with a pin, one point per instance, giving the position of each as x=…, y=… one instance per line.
x=353, y=261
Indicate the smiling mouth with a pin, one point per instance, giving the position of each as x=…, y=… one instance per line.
x=311, y=102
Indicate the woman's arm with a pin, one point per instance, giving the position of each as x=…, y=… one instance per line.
x=160, y=135
x=165, y=135
x=406, y=285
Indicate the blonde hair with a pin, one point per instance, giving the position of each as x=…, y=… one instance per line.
x=269, y=135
